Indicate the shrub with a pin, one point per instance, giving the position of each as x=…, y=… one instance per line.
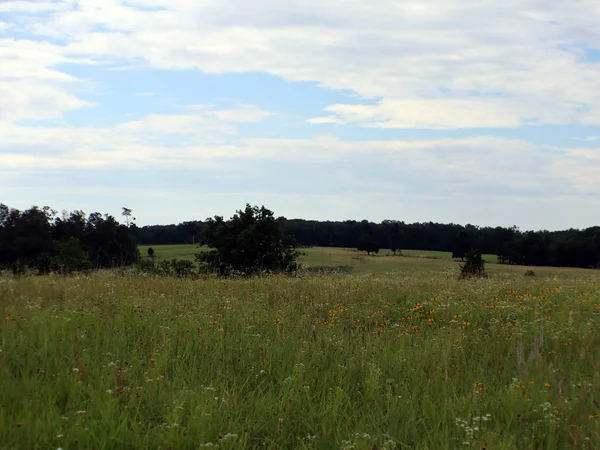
x=170, y=268
x=530, y=273
x=250, y=243
x=474, y=266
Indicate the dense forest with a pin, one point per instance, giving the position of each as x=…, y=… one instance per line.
x=568, y=248
x=42, y=239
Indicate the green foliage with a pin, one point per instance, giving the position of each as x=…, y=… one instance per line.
x=45, y=242
x=171, y=268
x=461, y=245
x=396, y=238
x=327, y=270
x=530, y=273
x=71, y=257
x=250, y=243
x=474, y=265
x=368, y=244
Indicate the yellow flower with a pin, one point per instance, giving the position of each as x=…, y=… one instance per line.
x=276, y=322
x=547, y=385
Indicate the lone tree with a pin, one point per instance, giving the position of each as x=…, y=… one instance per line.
x=474, y=266
x=368, y=244
x=396, y=238
x=250, y=243
x=127, y=214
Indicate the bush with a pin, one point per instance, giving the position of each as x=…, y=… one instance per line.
x=530, y=273
x=327, y=270
x=173, y=268
x=474, y=266
x=250, y=243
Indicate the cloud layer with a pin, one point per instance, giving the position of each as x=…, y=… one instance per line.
x=438, y=66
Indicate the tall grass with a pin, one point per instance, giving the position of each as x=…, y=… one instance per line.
x=344, y=361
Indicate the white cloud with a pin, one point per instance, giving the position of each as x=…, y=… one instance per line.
x=156, y=139
x=498, y=64
x=35, y=6
x=241, y=113
x=30, y=86
x=207, y=139
x=433, y=64
x=425, y=113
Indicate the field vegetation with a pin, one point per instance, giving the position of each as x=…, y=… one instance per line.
x=384, y=261
x=397, y=353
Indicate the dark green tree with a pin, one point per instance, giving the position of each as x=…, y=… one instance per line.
x=151, y=255
x=396, y=241
x=250, y=243
x=474, y=266
x=70, y=257
x=461, y=245
x=368, y=244
x=127, y=214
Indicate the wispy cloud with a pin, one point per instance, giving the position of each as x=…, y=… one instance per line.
x=465, y=74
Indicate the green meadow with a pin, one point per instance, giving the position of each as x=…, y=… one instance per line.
x=416, y=261
x=396, y=354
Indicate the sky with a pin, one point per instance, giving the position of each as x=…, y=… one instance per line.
x=451, y=111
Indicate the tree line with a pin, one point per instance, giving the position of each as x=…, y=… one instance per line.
x=43, y=240
x=567, y=248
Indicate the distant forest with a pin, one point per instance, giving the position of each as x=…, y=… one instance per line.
x=40, y=239
x=44, y=240
x=568, y=248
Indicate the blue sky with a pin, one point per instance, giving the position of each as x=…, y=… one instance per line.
x=419, y=110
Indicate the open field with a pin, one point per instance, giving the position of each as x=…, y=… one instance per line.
x=414, y=261
x=187, y=251
x=405, y=359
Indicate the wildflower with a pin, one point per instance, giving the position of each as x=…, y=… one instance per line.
x=276, y=322
x=547, y=385
x=80, y=413
x=214, y=322
x=594, y=416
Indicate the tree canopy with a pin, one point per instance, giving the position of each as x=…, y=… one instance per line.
x=251, y=242
x=42, y=240
x=569, y=248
